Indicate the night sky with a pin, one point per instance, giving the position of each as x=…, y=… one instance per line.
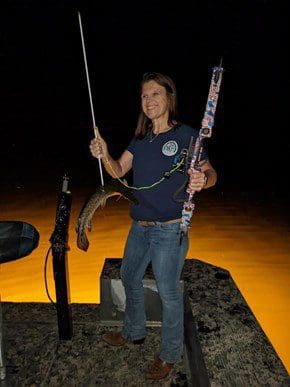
x=45, y=119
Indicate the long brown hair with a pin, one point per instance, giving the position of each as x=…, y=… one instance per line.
x=144, y=123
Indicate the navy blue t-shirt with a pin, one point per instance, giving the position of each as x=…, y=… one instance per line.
x=150, y=161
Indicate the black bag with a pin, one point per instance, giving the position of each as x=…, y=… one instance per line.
x=17, y=240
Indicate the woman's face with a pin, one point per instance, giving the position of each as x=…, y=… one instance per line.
x=154, y=100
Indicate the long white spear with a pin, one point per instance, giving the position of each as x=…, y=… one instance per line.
x=96, y=130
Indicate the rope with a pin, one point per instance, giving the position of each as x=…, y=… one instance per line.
x=166, y=176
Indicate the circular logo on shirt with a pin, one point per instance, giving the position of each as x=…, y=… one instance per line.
x=170, y=148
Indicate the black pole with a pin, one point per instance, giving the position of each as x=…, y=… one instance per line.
x=59, y=244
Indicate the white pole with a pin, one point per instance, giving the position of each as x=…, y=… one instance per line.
x=90, y=94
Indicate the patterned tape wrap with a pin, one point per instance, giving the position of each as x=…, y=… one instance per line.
x=205, y=132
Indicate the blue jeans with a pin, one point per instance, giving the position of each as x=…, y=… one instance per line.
x=159, y=244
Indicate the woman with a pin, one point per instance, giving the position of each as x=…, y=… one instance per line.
x=155, y=232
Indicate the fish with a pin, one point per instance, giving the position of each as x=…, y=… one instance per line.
x=98, y=199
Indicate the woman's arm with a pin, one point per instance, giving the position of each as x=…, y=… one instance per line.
x=115, y=168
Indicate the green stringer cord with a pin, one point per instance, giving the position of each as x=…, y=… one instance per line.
x=166, y=176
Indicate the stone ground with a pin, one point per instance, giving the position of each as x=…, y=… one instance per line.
x=35, y=356
x=235, y=349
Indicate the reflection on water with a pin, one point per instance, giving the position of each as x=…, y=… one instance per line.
x=244, y=237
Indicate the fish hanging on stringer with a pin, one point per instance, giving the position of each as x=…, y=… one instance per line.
x=98, y=199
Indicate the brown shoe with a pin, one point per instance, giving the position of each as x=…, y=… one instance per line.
x=114, y=338
x=159, y=369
